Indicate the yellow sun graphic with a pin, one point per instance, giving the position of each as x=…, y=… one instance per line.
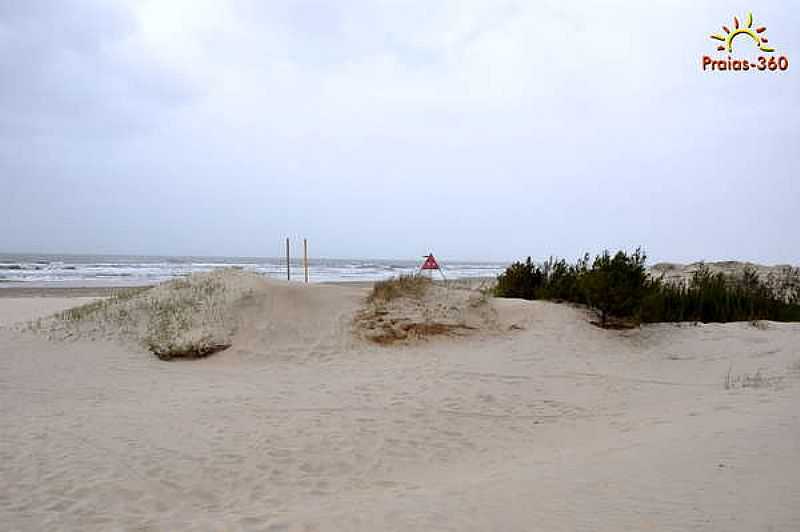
x=755, y=34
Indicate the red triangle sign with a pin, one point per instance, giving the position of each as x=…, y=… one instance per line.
x=430, y=263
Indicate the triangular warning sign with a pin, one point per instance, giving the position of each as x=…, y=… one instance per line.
x=430, y=263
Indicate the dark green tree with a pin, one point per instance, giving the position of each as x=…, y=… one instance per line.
x=615, y=286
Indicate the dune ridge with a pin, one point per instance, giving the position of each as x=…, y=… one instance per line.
x=209, y=312
x=545, y=423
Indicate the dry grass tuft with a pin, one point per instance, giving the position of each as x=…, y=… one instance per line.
x=403, y=286
x=88, y=310
x=746, y=380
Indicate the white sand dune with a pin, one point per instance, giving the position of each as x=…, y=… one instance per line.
x=302, y=426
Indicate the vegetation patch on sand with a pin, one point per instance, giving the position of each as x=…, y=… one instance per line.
x=185, y=318
x=749, y=380
x=619, y=288
x=414, y=286
x=782, y=280
x=409, y=308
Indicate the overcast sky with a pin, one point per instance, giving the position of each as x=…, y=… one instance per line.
x=477, y=129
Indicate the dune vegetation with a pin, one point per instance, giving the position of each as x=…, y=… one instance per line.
x=184, y=318
x=619, y=288
x=412, y=307
x=402, y=286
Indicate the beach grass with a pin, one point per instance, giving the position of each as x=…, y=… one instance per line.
x=413, y=285
x=183, y=318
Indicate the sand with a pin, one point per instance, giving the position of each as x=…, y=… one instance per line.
x=301, y=426
x=20, y=309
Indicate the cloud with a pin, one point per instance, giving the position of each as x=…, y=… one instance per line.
x=520, y=128
x=74, y=68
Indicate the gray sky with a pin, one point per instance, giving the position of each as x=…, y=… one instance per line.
x=478, y=129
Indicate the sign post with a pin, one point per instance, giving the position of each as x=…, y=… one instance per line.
x=288, y=268
x=305, y=257
x=431, y=264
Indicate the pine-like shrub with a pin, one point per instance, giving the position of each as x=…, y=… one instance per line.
x=619, y=289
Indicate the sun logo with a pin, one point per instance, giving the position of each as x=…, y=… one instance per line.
x=755, y=34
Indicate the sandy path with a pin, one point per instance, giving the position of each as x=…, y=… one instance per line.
x=558, y=427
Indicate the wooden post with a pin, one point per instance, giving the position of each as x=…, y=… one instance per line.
x=288, y=269
x=305, y=257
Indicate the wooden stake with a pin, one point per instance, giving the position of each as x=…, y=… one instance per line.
x=305, y=257
x=288, y=269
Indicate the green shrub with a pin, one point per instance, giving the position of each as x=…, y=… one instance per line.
x=618, y=288
x=710, y=297
x=555, y=280
x=520, y=280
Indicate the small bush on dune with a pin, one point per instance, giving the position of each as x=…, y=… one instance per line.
x=521, y=280
x=563, y=279
x=615, y=286
x=555, y=280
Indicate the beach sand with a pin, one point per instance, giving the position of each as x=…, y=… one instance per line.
x=552, y=425
x=20, y=309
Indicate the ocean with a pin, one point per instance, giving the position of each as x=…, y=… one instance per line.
x=133, y=270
